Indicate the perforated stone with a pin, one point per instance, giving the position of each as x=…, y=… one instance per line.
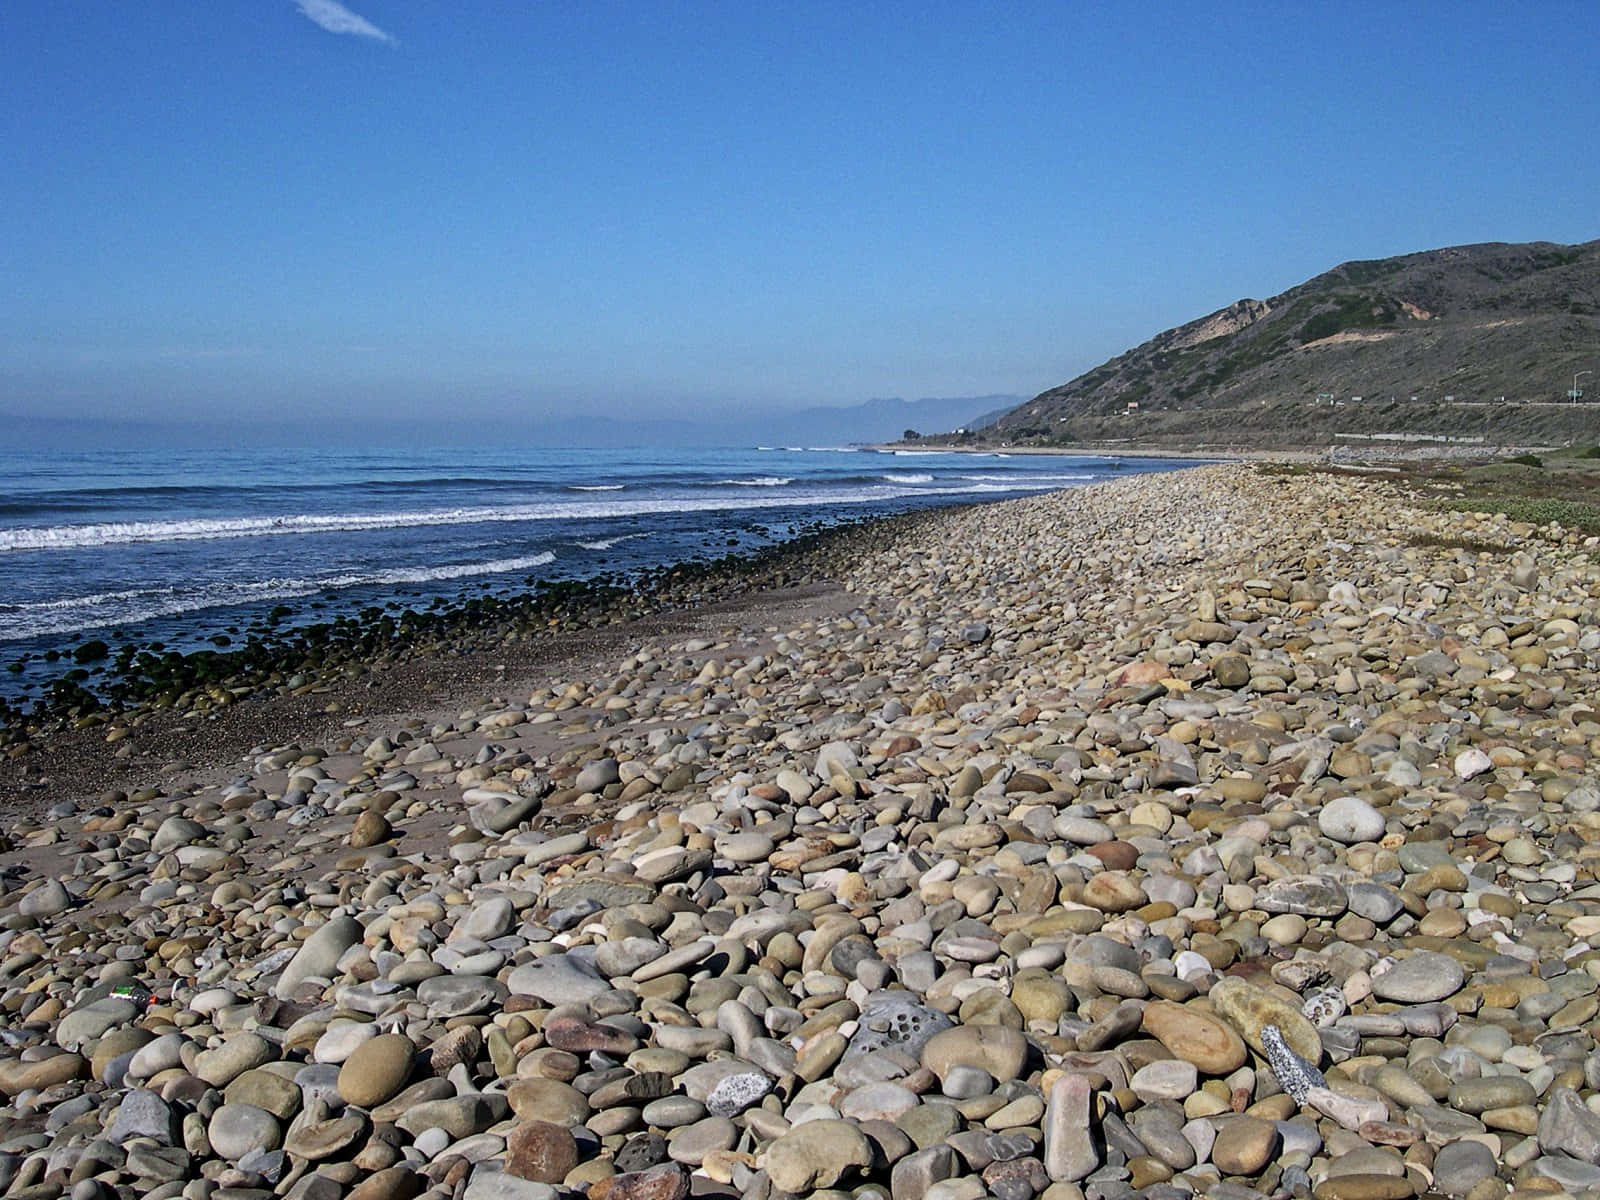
x=890, y=1021
x=1324, y=1006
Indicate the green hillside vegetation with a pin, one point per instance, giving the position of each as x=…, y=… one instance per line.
x=1469, y=342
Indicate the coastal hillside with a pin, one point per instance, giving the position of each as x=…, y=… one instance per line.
x=1465, y=342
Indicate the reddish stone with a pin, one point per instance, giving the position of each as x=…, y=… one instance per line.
x=583, y=1037
x=1385, y=1133
x=666, y=1182
x=1144, y=672
x=1024, y=781
x=541, y=1151
x=392, y=1183
x=1117, y=856
x=1026, y=1176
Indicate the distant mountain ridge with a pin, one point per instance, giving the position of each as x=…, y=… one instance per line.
x=880, y=420
x=1434, y=339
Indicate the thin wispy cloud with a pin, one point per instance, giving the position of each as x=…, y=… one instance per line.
x=336, y=18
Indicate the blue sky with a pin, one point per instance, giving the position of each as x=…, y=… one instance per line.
x=283, y=211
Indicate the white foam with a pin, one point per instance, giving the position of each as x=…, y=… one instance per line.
x=906, y=477
x=758, y=481
x=607, y=543
x=1029, y=478
x=132, y=605
x=596, y=487
x=122, y=533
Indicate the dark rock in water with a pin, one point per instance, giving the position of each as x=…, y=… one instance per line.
x=91, y=651
x=895, y=1022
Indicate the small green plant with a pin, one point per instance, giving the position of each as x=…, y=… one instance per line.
x=1350, y=312
x=1527, y=460
x=1476, y=545
x=1570, y=514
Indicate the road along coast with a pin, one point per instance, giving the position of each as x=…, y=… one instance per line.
x=1223, y=833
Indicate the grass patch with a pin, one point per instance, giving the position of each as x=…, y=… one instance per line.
x=1570, y=514
x=1475, y=545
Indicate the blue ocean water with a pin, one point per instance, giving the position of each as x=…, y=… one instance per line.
x=159, y=546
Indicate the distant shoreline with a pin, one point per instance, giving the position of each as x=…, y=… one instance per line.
x=1371, y=451
x=1087, y=450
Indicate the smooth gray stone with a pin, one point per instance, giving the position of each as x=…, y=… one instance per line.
x=488, y=919
x=85, y=1025
x=1419, y=978
x=556, y=979
x=918, y=1171
x=49, y=899
x=460, y=995
x=497, y=1185
x=1071, y=1151
x=493, y=816
x=459, y=1116
x=1459, y=1166
x=175, y=832
x=623, y=957
x=605, y=893
x=144, y=1113
x=1440, y=1124
x=1571, y=1173
x=1428, y=1020
x=669, y=1112
x=1162, y=1135
x=1416, y=857
x=1492, y=1091
x=690, y=1144
x=1567, y=1126
x=237, y=1129
x=158, y=1164
x=597, y=775
x=1100, y=951
x=1374, y=901
x=320, y=954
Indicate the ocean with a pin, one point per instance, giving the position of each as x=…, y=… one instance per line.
x=176, y=548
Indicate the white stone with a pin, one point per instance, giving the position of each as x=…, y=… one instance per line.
x=1349, y=819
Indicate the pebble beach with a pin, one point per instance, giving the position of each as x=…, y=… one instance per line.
x=1227, y=833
